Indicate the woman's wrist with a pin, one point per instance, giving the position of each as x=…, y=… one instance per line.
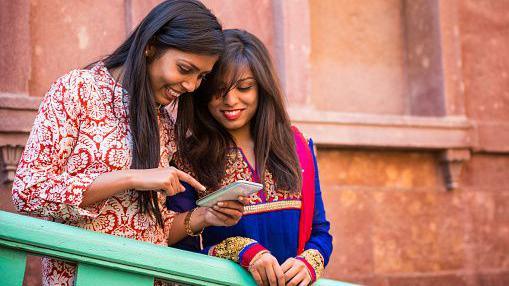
x=314, y=262
x=198, y=221
x=257, y=256
x=131, y=178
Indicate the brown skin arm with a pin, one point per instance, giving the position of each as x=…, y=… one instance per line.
x=111, y=183
x=226, y=213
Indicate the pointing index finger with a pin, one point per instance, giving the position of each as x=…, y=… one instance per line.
x=183, y=176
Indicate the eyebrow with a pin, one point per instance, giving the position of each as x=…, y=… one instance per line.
x=247, y=78
x=193, y=66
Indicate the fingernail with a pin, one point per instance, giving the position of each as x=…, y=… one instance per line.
x=215, y=207
x=220, y=204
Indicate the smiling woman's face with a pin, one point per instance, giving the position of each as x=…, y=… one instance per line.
x=176, y=72
x=235, y=110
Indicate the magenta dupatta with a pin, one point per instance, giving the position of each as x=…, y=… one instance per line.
x=308, y=189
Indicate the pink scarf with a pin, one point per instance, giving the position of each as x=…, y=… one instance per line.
x=308, y=189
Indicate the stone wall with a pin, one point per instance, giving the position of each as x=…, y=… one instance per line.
x=408, y=101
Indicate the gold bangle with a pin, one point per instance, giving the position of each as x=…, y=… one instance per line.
x=187, y=224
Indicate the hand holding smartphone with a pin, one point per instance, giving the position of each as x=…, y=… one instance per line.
x=230, y=192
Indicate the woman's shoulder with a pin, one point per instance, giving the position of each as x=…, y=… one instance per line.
x=77, y=85
x=298, y=135
x=303, y=143
x=76, y=77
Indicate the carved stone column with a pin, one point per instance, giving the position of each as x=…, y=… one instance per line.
x=10, y=155
x=452, y=164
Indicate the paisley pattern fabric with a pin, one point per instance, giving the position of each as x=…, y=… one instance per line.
x=82, y=131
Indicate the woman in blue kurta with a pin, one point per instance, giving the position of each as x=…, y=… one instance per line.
x=236, y=128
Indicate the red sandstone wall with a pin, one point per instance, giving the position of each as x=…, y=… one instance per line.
x=357, y=54
x=392, y=219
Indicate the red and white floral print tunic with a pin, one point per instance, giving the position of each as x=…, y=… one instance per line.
x=82, y=131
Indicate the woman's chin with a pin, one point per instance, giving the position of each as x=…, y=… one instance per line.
x=233, y=126
x=164, y=101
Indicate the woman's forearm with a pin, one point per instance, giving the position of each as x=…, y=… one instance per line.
x=178, y=231
x=107, y=185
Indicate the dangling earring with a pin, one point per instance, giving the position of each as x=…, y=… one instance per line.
x=149, y=51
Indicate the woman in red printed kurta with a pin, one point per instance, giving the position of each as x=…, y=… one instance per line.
x=98, y=154
x=81, y=132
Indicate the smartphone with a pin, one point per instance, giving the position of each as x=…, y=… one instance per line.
x=230, y=193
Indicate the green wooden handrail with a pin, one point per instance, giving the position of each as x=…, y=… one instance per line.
x=110, y=260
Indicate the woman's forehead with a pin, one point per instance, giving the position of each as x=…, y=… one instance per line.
x=233, y=73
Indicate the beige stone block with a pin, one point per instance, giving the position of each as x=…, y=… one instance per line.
x=351, y=217
x=486, y=172
x=388, y=169
x=418, y=232
x=490, y=219
x=14, y=46
x=67, y=35
x=357, y=56
x=254, y=16
x=485, y=47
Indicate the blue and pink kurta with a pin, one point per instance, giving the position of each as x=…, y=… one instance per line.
x=286, y=224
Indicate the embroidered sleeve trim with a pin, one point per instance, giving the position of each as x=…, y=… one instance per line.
x=314, y=260
x=272, y=206
x=310, y=268
x=93, y=210
x=231, y=247
x=249, y=252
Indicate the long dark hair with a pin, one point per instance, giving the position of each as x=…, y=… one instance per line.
x=203, y=142
x=186, y=25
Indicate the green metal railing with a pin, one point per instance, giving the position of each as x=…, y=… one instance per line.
x=110, y=260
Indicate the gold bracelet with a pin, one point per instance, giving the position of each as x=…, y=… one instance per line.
x=187, y=224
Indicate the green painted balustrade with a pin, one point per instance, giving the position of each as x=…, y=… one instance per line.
x=110, y=260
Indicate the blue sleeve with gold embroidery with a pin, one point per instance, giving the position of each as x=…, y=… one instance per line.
x=320, y=239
